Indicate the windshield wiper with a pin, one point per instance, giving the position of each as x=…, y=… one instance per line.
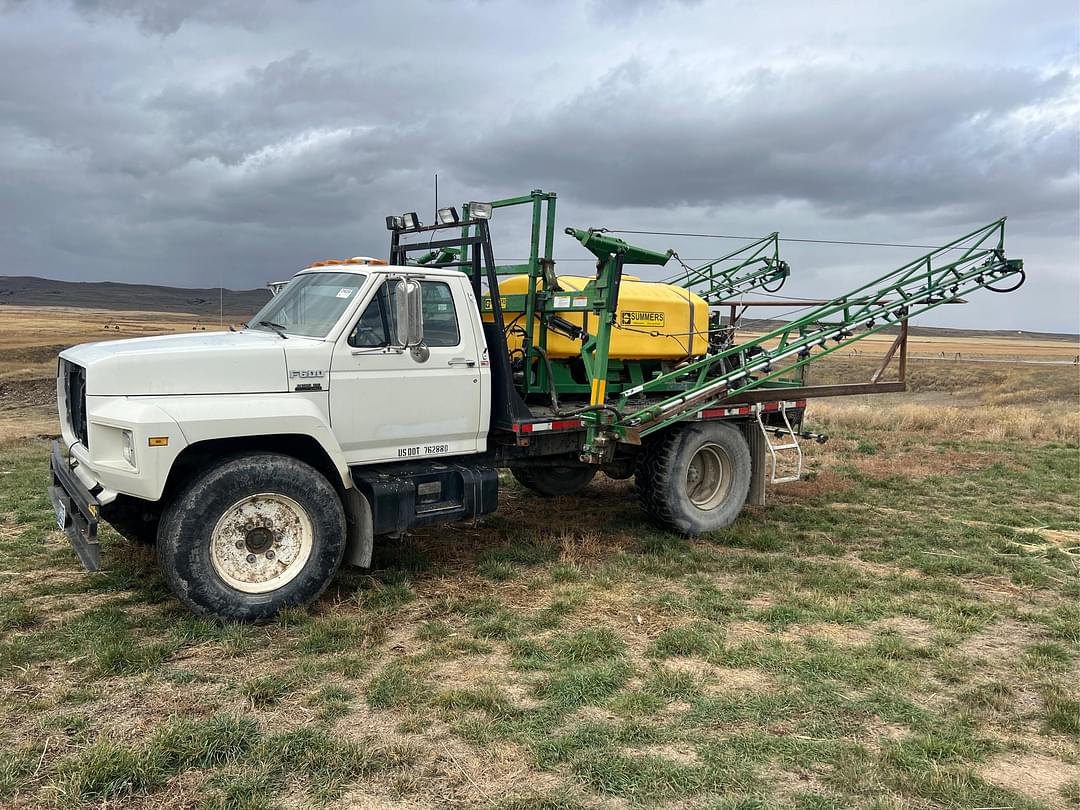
x=277, y=327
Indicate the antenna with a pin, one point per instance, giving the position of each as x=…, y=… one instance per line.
x=436, y=196
x=221, y=298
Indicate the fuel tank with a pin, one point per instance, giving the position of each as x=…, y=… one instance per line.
x=654, y=321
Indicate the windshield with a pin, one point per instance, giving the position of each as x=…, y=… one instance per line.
x=309, y=305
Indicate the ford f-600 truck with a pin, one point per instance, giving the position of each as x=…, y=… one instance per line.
x=368, y=398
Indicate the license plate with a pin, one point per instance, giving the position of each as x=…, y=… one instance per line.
x=61, y=514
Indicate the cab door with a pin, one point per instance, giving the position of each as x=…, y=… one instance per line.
x=392, y=405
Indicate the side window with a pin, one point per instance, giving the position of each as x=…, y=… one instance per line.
x=440, y=316
x=374, y=327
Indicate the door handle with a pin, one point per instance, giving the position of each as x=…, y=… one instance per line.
x=461, y=361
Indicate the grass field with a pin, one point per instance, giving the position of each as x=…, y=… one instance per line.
x=901, y=629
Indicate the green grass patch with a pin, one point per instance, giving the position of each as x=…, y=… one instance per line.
x=584, y=684
x=835, y=633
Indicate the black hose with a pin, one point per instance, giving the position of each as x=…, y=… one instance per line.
x=551, y=380
x=1016, y=286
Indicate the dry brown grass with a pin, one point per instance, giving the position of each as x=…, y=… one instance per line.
x=1000, y=346
x=989, y=422
x=31, y=337
x=948, y=398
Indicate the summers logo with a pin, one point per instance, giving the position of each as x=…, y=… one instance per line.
x=307, y=375
x=639, y=318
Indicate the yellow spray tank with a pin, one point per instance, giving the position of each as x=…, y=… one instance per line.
x=654, y=321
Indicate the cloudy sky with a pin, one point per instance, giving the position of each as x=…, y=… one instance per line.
x=189, y=141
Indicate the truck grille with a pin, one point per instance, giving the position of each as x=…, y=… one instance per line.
x=75, y=395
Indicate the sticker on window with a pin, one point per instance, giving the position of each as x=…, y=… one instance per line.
x=345, y=292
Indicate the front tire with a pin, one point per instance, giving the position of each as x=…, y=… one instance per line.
x=252, y=535
x=695, y=478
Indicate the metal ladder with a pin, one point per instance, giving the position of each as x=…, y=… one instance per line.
x=769, y=433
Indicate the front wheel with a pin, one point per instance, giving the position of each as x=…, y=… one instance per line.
x=695, y=478
x=252, y=535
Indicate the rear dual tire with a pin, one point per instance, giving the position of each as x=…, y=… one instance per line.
x=694, y=478
x=250, y=536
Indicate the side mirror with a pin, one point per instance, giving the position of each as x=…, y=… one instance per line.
x=409, y=315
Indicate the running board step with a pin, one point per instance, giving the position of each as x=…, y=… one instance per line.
x=775, y=450
x=404, y=496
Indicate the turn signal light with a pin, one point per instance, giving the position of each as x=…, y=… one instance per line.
x=158, y=441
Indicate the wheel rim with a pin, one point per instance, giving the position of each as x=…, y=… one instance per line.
x=707, y=477
x=261, y=542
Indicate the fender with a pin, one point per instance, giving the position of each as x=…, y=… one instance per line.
x=204, y=418
x=106, y=418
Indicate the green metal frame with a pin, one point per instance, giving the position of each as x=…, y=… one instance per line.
x=538, y=266
x=757, y=264
x=612, y=256
x=916, y=287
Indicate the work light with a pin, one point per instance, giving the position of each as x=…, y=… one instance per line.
x=479, y=210
x=412, y=222
x=447, y=216
x=395, y=223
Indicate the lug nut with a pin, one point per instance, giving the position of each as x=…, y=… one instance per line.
x=251, y=558
x=239, y=543
x=269, y=555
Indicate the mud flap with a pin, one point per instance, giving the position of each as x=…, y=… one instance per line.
x=360, y=538
x=756, y=440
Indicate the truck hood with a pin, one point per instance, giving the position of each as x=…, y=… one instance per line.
x=244, y=362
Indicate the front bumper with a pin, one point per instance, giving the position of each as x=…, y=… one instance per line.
x=76, y=510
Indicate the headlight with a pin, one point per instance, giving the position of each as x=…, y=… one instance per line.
x=129, y=446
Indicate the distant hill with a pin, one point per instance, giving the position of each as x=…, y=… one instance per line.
x=30, y=291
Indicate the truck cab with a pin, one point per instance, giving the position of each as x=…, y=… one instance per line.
x=325, y=372
x=325, y=352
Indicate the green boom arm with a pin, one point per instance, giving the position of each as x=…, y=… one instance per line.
x=973, y=262
x=753, y=266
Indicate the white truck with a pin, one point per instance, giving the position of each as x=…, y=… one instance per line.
x=367, y=398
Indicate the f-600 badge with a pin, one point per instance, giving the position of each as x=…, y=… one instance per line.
x=308, y=374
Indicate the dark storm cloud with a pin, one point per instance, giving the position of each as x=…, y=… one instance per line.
x=189, y=141
x=888, y=140
x=166, y=16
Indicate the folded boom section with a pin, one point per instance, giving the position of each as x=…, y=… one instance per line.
x=975, y=261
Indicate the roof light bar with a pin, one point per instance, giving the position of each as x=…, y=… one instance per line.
x=480, y=210
x=447, y=216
